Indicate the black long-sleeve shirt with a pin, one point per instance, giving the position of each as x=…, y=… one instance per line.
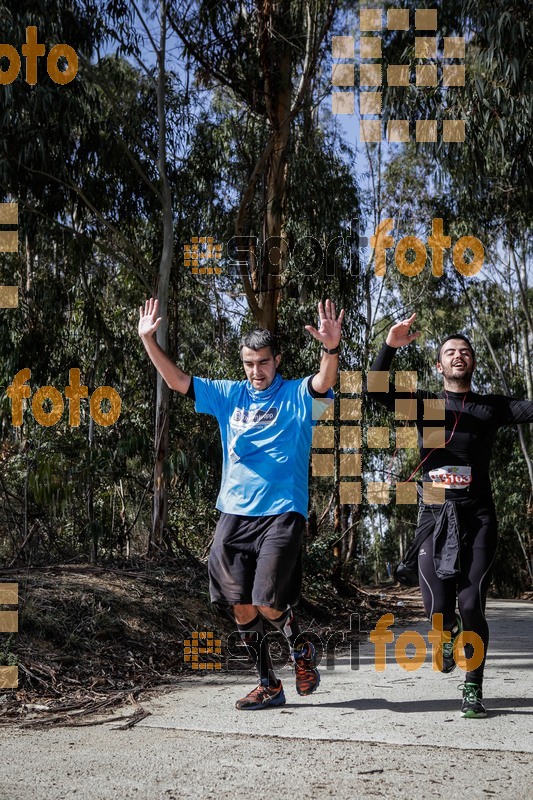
x=471, y=422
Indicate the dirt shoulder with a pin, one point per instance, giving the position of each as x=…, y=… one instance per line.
x=95, y=638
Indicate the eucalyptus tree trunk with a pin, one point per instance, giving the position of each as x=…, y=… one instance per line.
x=160, y=503
x=283, y=40
x=262, y=277
x=276, y=64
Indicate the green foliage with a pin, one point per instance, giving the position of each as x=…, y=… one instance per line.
x=82, y=162
x=7, y=657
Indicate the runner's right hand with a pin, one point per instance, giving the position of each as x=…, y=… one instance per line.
x=148, y=320
x=399, y=335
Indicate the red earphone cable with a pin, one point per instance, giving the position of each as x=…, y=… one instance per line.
x=457, y=418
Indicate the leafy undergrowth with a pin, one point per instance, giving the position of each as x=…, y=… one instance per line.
x=92, y=639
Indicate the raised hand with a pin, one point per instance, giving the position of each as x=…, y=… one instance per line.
x=148, y=320
x=329, y=332
x=399, y=335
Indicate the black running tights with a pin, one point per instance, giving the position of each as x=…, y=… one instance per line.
x=478, y=551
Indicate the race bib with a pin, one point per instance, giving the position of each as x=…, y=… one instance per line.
x=451, y=477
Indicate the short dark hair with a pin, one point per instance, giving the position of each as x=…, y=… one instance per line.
x=259, y=338
x=456, y=336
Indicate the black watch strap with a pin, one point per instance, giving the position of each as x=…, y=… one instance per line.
x=333, y=351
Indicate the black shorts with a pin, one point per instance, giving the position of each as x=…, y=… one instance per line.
x=257, y=560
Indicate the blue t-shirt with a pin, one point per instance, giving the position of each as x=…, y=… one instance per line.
x=266, y=438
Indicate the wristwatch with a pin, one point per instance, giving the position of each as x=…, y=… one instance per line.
x=333, y=351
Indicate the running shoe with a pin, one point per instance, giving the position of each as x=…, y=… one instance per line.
x=307, y=675
x=262, y=696
x=448, y=660
x=472, y=706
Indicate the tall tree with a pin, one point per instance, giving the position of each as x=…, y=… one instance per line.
x=266, y=55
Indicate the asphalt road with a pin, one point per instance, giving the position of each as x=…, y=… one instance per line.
x=364, y=734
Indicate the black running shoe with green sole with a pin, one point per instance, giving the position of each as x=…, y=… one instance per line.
x=472, y=706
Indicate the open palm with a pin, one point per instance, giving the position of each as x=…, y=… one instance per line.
x=329, y=332
x=148, y=320
x=399, y=334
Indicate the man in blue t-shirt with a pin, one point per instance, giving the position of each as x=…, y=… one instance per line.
x=266, y=427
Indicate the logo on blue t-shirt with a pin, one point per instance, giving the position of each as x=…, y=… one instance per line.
x=250, y=419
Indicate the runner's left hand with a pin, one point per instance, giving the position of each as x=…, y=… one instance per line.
x=329, y=332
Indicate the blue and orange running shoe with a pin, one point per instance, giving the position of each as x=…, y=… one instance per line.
x=263, y=696
x=307, y=675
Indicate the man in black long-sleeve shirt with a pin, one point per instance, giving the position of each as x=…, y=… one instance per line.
x=457, y=529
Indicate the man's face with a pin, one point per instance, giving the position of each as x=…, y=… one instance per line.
x=456, y=361
x=260, y=366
